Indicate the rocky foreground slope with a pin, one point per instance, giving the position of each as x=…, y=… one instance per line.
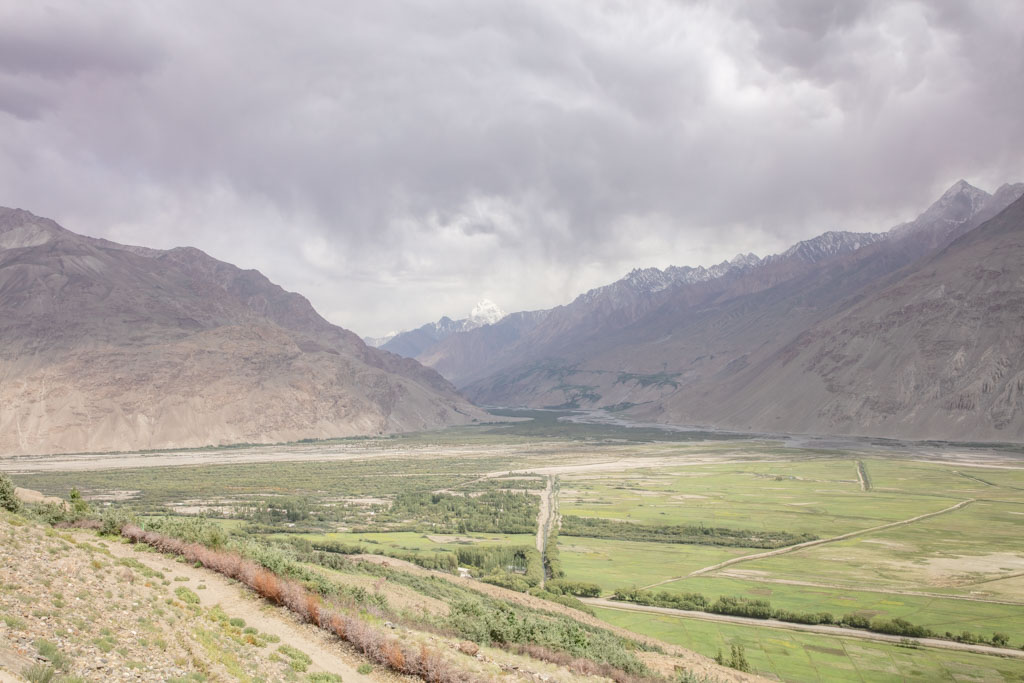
x=111, y=347
x=94, y=608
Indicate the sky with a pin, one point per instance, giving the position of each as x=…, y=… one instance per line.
x=398, y=161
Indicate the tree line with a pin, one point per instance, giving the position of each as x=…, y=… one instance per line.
x=599, y=527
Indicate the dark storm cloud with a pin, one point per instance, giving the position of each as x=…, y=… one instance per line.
x=396, y=161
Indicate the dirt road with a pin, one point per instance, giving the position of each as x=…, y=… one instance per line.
x=547, y=518
x=812, y=628
x=240, y=602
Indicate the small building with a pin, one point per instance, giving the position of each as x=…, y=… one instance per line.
x=464, y=573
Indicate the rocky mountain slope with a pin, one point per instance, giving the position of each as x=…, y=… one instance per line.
x=936, y=354
x=110, y=347
x=689, y=345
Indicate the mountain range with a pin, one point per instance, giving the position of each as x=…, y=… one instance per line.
x=106, y=347
x=411, y=343
x=911, y=332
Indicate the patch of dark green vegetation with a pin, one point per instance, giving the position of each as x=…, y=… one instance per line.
x=599, y=527
x=500, y=512
x=659, y=379
x=575, y=394
x=546, y=424
x=516, y=567
x=864, y=476
x=513, y=482
x=552, y=559
x=312, y=479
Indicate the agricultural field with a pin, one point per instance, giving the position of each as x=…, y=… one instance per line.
x=919, y=539
x=792, y=656
x=601, y=560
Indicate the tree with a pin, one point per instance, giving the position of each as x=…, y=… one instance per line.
x=79, y=506
x=738, y=660
x=8, y=499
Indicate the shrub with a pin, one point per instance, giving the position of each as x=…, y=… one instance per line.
x=186, y=596
x=39, y=673
x=580, y=589
x=56, y=658
x=114, y=520
x=855, y=621
x=901, y=627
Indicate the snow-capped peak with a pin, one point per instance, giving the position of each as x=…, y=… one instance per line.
x=831, y=243
x=748, y=259
x=378, y=342
x=486, y=312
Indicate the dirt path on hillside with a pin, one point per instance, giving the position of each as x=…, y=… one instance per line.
x=812, y=628
x=238, y=601
x=811, y=544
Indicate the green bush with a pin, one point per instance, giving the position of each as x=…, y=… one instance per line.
x=324, y=678
x=39, y=673
x=580, y=589
x=115, y=519
x=505, y=580
x=56, y=658
x=186, y=595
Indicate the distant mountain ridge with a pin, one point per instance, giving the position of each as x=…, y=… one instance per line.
x=105, y=347
x=664, y=344
x=412, y=343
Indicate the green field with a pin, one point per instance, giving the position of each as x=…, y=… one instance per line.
x=793, y=656
x=605, y=562
x=821, y=497
x=939, y=614
x=957, y=553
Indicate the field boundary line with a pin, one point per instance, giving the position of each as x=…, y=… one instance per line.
x=811, y=544
x=833, y=539
x=834, y=631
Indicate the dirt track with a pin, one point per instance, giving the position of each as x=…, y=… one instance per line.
x=239, y=602
x=812, y=628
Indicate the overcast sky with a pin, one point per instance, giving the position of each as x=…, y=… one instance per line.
x=396, y=161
